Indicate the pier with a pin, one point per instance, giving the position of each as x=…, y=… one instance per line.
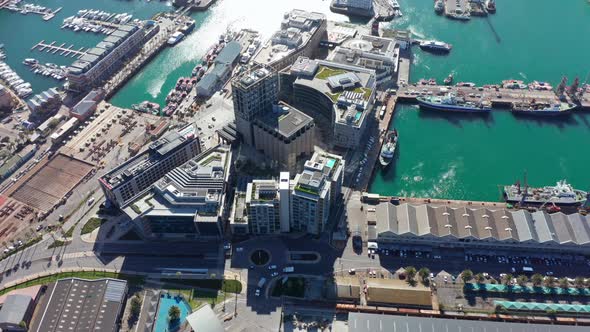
x=499, y=97
x=53, y=49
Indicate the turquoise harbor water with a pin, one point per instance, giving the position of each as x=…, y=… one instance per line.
x=439, y=156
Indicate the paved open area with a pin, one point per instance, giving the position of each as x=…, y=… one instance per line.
x=52, y=182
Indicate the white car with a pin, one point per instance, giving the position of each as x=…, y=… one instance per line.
x=257, y=293
x=274, y=274
x=272, y=267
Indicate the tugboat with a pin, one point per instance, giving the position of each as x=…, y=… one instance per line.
x=388, y=149
x=449, y=80
x=439, y=6
x=491, y=6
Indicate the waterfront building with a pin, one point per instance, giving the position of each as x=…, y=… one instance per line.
x=102, y=61
x=377, y=53
x=254, y=92
x=130, y=179
x=300, y=35
x=189, y=200
x=263, y=207
x=310, y=202
x=221, y=72
x=338, y=96
x=96, y=305
x=403, y=38
x=285, y=135
x=87, y=106
x=480, y=228
x=46, y=102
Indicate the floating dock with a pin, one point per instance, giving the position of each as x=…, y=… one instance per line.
x=53, y=49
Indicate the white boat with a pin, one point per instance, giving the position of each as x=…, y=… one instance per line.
x=175, y=38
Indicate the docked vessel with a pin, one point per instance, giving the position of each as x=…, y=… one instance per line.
x=513, y=84
x=435, y=46
x=491, y=6
x=562, y=194
x=449, y=80
x=146, y=107
x=453, y=103
x=30, y=62
x=175, y=38
x=388, y=148
x=187, y=27
x=439, y=6
x=466, y=84
x=542, y=109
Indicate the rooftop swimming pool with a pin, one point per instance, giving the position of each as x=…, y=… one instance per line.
x=166, y=302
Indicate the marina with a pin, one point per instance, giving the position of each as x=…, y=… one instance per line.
x=53, y=49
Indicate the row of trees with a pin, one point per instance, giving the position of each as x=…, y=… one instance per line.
x=522, y=280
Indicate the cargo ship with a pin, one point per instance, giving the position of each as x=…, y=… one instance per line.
x=562, y=194
x=388, y=148
x=542, y=109
x=453, y=103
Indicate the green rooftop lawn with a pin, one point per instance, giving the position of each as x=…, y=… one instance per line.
x=326, y=72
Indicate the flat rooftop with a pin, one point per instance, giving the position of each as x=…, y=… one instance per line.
x=361, y=322
x=285, y=120
x=82, y=305
x=143, y=161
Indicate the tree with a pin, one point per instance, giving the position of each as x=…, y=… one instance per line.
x=174, y=313
x=537, y=279
x=507, y=279
x=579, y=282
x=135, y=306
x=424, y=273
x=522, y=280
x=466, y=275
x=549, y=281
x=479, y=278
x=563, y=283
x=410, y=272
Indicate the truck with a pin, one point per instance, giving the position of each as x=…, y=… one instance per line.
x=289, y=269
x=261, y=282
x=527, y=269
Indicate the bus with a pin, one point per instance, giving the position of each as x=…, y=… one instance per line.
x=382, y=112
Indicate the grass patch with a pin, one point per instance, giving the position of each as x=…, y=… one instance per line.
x=228, y=286
x=57, y=243
x=70, y=231
x=92, y=224
x=292, y=287
x=326, y=72
x=132, y=279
